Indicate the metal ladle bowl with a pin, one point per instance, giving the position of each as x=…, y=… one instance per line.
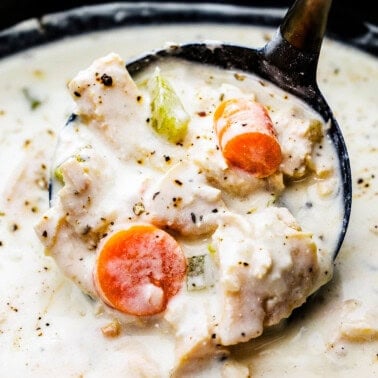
x=290, y=61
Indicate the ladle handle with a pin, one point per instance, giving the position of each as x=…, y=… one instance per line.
x=296, y=46
x=305, y=24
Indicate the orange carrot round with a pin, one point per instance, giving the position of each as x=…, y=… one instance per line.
x=139, y=269
x=247, y=137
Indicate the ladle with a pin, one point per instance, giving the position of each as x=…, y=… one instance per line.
x=289, y=60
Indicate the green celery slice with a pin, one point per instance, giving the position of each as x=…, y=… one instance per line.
x=168, y=116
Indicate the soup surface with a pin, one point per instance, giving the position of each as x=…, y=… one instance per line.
x=48, y=324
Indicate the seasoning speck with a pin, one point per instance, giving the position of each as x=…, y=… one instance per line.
x=194, y=218
x=106, y=80
x=138, y=208
x=34, y=103
x=239, y=76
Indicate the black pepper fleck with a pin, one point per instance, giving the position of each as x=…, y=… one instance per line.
x=194, y=218
x=106, y=80
x=86, y=230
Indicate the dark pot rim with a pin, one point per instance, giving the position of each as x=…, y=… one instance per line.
x=91, y=18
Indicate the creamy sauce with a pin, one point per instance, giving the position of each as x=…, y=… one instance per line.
x=47, y=324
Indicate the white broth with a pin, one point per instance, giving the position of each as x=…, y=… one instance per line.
x=48, y=325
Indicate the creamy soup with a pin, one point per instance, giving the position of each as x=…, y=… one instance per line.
x=48, y=325
x=175, y=189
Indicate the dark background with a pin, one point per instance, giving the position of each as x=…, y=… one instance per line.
x=343, y=12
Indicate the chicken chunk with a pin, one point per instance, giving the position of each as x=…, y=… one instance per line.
x=297, y=133
x=107, y=99
x=267, y=267
x=182, y=201
x=191, y=316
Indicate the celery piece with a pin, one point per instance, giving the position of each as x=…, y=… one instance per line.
x=196, y=279
x=211, y=249
x=168, y=116
x=59, y=175
x=34, y=103
x=315, y=131
x=196, y=265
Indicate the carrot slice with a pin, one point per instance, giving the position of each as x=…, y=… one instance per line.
x=247, y=137
x=139, y=269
